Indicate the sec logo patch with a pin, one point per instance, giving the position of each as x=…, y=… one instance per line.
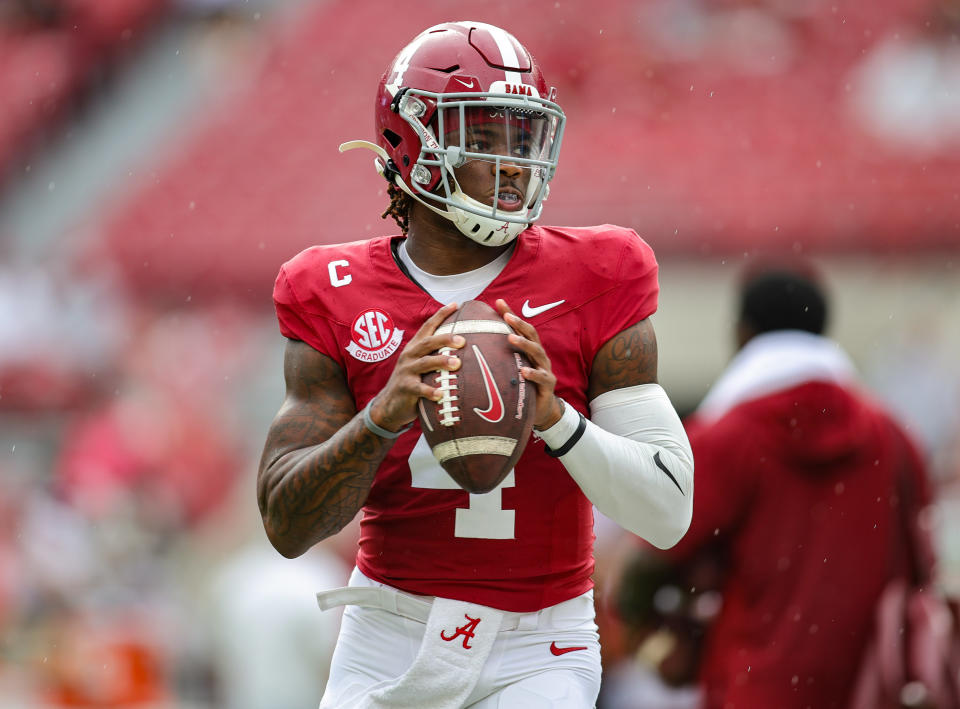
x=373, y=336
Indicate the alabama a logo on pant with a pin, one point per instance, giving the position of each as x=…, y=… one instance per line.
x=373, y=336
x=467, y=630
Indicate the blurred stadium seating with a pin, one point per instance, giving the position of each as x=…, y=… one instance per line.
x=52, y=53
x=714, y=153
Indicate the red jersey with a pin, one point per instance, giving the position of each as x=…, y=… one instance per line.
x=527, y=544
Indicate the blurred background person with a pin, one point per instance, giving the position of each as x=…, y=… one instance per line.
x=799, y=478
x=660, y=612
x=270, y=646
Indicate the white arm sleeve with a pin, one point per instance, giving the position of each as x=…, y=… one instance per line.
x=633, y=461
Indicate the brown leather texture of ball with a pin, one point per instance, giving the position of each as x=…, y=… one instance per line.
x=480, y=428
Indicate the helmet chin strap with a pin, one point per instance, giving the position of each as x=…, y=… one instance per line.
x=482, y=229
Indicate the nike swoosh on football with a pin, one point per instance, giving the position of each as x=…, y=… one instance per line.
x=564, y=650
x=494, y=411
x=656, y=459
x=529, y=311
x=469, y=86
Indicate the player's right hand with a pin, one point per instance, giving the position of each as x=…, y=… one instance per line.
x=395, y=405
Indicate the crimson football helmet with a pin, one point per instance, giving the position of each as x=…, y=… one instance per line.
x=463, y=91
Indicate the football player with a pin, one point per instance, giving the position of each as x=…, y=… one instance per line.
x=460, y=599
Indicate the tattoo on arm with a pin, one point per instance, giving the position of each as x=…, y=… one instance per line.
x=627, y=359
x=319, y=460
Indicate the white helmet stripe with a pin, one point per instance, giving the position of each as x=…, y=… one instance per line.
x=508, y=53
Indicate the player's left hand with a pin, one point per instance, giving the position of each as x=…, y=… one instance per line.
x=526, y=339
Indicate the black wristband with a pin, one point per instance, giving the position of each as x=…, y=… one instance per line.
x=571, y=442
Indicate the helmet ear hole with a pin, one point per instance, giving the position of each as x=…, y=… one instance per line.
x=392, y=138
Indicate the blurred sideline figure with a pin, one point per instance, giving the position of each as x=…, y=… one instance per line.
x=272, y=647
x=458, y=599
x=659, y=623
x=796, y=496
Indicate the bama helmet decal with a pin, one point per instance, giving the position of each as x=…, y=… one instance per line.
x=373, y=336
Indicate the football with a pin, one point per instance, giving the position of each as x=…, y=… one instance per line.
x=480, y=427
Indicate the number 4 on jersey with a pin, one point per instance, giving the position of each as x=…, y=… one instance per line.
x=485, y=518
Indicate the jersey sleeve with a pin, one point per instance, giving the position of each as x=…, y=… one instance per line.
x=636, y=289
x=297, y=321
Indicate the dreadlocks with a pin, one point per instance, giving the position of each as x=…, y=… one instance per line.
x=399, y=208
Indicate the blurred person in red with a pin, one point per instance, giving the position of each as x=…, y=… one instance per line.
x=798, y=472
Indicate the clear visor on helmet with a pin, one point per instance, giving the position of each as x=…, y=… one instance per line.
x=511, y=139
x=486, y=133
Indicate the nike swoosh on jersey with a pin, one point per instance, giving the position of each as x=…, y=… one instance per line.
x=529, y=311
x=554, y=650
x=656, y=459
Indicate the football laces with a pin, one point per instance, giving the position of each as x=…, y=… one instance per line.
x=448, y=411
